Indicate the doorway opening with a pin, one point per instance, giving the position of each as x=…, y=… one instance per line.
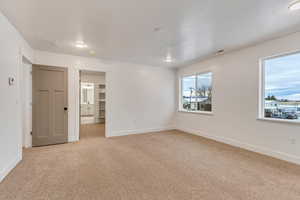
x=92, y=104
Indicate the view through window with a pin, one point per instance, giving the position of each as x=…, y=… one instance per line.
x=282, y=87
x=197, y=92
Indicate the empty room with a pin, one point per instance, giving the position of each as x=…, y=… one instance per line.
x=150, y=100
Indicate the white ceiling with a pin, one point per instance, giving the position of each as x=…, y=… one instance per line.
x=124, y=30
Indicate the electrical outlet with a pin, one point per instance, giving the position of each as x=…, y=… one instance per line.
x=293, y=141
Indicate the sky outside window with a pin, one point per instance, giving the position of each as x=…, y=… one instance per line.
x=188, y=84
x=282, y=77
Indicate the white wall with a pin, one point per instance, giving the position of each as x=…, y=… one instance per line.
x=142, y=99
x=139, y=98
x=93, y=78
x=12, y=48
x=235, y=103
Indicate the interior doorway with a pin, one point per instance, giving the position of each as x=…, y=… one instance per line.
x=92, y=104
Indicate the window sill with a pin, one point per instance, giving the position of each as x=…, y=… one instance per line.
x=279, y=120
x=196, y=112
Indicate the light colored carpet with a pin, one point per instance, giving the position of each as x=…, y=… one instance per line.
x=158, y=166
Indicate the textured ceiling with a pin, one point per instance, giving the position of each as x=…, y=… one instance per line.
x=146, y=32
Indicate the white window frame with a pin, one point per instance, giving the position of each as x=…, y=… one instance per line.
x=181, y=92
x=261, y=107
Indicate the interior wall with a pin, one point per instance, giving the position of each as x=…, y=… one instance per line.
x=92, y=78
x=12, y=48
x=135, y=94
x=236, y=102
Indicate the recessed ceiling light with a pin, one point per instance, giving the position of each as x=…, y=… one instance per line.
x=80, y=44
x=295, y=5
x=168, y=59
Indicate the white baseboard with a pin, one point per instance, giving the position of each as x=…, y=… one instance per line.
x=140, y=131
x=73, y=139
x=9, y=168
x=254, y=148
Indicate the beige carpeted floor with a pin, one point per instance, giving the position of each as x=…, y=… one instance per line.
x=157, y=166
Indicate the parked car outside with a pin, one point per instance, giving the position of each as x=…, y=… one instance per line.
x=290, y=115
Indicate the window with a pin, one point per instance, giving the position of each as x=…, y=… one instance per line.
x=281, y=87
x=196, y=93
